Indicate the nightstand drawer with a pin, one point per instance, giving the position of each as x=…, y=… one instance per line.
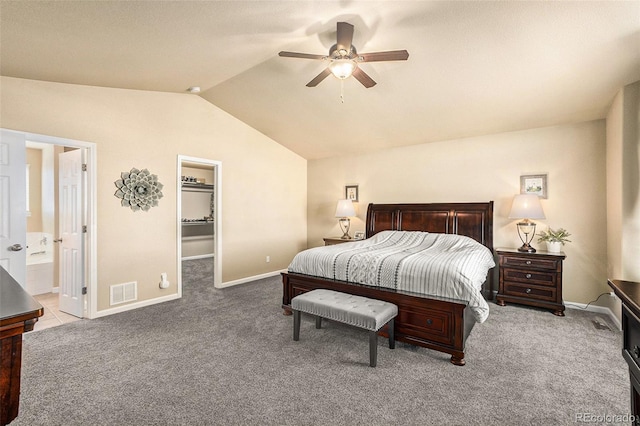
x=530, y=277
x=631, y=341
x=530, y=292
x=528, y=263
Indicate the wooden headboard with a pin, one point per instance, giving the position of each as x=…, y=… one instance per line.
x=473, y=220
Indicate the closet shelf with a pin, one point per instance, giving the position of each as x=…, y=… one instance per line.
x=204, y=237
x=198, y=187
x=196, y=222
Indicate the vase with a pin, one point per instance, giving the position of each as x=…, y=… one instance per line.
x=554, y=246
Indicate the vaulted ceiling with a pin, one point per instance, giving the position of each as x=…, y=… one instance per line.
x=474, y=67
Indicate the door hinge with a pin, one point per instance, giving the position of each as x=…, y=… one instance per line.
x=84, y=229
x=84, y=167
x=84, y=290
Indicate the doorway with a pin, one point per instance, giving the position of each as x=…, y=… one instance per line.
x=199, y=206
x=43, y=268
x=44, y=236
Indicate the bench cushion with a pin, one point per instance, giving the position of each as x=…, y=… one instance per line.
x=358, y=311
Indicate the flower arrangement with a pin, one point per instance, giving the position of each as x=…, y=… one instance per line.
x=558, y=236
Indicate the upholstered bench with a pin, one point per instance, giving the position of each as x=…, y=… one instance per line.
x=357, y=311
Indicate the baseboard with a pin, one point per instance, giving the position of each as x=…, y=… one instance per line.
x=594, y=308
x=591, y=308
x=135, y=305
x=141, y=304
x=253, y=278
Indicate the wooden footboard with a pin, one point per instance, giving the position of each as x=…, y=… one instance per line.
x=436, y=323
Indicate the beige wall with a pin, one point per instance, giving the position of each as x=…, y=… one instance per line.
x=34, y=159
x=264, y=184
x=265, y=208
x=481, y=169
x=623, y=187
x=631, y=182
x=623, y=184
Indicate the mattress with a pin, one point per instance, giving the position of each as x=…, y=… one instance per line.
x=431, y=264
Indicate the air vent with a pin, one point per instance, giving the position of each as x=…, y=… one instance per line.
x=126, y=292
x=600, y=324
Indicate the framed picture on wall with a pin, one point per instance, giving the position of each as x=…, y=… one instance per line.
x=351, y=193
x=534, y=184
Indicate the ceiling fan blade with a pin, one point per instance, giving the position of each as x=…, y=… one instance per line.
x=301, y=55
x=324, y=74
x=345, y=36
x=392, y=55
x=363, y=78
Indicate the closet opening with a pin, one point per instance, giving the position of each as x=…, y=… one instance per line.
x=199, y=219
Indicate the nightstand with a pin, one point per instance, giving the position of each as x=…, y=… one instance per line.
x=329, y=241
x=533, y=279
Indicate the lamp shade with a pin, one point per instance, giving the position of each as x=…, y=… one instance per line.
x=345, y=209
x=526, y=206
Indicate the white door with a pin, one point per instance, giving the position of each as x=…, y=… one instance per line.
x=71, y=235
x=13, y=205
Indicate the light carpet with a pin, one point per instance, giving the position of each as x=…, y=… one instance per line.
x=226, y=356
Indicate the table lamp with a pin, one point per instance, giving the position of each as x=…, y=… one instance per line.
x=526, y=207
x=343, y=211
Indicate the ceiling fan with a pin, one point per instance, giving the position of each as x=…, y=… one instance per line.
x=343, y=58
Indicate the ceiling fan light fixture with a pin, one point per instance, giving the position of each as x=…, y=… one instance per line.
x=343, y=58
x=342, y=68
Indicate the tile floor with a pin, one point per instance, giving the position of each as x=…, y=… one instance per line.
x=52, y=316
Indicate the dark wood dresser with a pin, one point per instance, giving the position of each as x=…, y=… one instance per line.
x=18, y=314
x=533, y=279
x=629, y=294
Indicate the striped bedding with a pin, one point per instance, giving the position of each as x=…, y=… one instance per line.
x=445, y=265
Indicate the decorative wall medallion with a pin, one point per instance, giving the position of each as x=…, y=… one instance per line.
x=138, y=189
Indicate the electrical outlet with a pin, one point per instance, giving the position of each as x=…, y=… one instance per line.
x=268, y=259
x=612, y=294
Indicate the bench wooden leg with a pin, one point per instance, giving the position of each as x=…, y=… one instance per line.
x=296, y=325
x=373, y=348
x=392, y=334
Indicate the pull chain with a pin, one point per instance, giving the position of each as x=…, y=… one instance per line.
x=342, y=90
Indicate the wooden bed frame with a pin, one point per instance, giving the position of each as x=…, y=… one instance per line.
x=432, y=322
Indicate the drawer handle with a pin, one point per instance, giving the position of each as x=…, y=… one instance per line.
x=529, y=291
x=636, y=351
x=430, y=321
x=528, y=262
x=528, y=275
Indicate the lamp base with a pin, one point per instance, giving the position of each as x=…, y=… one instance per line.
x=527, y=228
x=526, y=248
x=345, y=224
